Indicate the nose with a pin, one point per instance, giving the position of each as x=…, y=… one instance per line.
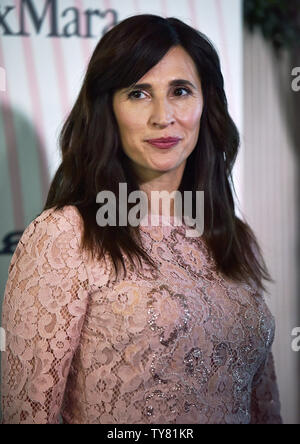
x=162, y=114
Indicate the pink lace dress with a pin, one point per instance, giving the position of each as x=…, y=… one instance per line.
x=182, y=345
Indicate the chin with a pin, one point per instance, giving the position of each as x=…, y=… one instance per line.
x=164, y=169
x=166, y=166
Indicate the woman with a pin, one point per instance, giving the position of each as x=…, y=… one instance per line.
x=183, y=334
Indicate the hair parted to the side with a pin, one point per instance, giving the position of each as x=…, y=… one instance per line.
x=93, y=159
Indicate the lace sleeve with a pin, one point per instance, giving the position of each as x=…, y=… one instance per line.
x=43, y=310
x=265, y=403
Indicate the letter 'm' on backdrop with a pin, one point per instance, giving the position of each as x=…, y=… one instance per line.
x=45, y=46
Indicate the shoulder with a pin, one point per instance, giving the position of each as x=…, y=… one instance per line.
x=68, y=215
x=54, y=222
x=56, y=229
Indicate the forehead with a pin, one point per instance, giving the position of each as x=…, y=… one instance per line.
x=177, y=63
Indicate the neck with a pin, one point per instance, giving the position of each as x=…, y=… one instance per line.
x=167, y=182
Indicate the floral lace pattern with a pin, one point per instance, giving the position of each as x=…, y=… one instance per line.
x=178, y=345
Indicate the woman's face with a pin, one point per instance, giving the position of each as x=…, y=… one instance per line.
x=166, y=102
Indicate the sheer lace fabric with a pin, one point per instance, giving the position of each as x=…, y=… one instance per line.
x=178, y=345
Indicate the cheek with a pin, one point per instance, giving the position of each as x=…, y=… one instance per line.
x=130, y=125
x=190, y=119
x=130, y=122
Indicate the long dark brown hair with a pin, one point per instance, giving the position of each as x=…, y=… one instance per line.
x=93, y=159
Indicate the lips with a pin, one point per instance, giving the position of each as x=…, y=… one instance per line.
x=164, y=142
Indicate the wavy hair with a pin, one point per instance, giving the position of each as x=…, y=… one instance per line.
x=93, y=159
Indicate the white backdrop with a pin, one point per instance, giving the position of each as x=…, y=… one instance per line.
x=44, y=49
x=45, y=46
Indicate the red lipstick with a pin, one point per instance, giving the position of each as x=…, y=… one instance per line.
x=164, y=142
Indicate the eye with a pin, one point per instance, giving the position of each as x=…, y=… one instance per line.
x=182, y=91
x=136, y=95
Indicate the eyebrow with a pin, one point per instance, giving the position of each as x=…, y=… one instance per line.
x=148, y=86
